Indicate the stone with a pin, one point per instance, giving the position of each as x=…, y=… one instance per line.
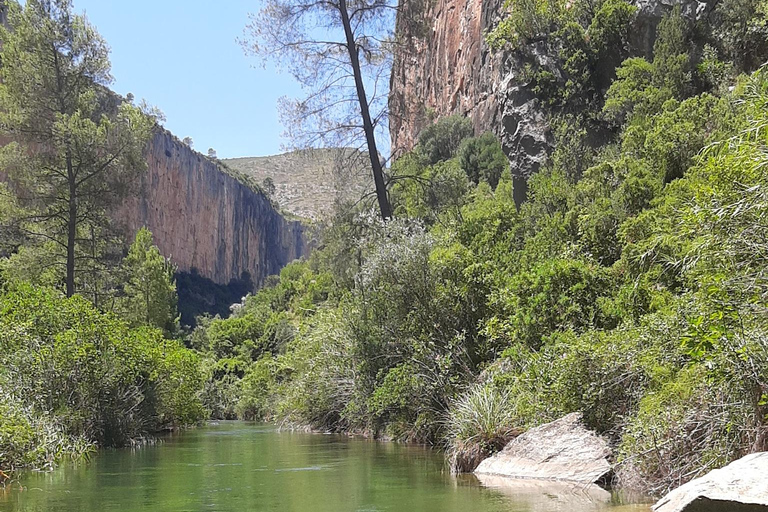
x=741, y=486
x=562, y=450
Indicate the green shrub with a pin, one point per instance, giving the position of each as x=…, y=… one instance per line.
x=558, y=294
x=257, y=390
x=526, y=20
x=96, y=377
x=33, y=440
x=440, y=141
x=682, y=431
x=483, y=159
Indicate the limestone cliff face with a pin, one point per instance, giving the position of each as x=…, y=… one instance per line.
x=449, y=69
x=205, y=219
x=445, y=69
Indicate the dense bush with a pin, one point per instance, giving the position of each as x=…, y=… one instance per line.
x=630, y=286
x=440, y=141
x=78, y=376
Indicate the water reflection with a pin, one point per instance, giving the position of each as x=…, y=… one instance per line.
x=242, y=467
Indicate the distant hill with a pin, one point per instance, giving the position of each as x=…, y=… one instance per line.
x=307, y=182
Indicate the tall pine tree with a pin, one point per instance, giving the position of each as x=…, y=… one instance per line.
x=76, y=150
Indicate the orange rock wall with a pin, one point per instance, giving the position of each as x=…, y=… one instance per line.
x=447, y=69
x=203, y=218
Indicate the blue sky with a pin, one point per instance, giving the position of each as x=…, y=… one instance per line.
x=182, y=56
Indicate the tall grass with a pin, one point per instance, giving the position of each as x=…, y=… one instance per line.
x=479, y=423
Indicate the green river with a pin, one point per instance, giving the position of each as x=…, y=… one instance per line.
x=235, y=466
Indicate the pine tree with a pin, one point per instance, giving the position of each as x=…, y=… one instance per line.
x=76, y=152
x=150, y=287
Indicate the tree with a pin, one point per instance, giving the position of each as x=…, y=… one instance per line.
x=188, y=141
x=212, y=153
x=336, y=49
x=269, y=187
x=150, y=287
x=77, y=151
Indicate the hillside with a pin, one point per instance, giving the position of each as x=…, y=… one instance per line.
x=307, y=182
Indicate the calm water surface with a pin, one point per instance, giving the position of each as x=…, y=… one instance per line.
x=236, y=466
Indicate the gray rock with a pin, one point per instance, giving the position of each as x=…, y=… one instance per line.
x=524, y=131
x=561, y=450
x=741, y=486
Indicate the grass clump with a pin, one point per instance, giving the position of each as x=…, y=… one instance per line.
x=480, y=423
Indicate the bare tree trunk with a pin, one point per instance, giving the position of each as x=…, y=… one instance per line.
x=71, y=227
x=373, y=153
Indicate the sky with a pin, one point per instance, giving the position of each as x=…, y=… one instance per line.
x=183, y=57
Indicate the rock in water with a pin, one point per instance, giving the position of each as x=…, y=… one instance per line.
x=561, y=450
x=741, y=486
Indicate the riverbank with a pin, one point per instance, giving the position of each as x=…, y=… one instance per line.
x=618, y=292
x=75, y=378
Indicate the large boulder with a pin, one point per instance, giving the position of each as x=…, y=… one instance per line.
x=741, y=486
x=561, y=450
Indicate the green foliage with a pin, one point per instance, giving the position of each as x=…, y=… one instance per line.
x=629, y=287
x=558, y=294
x=482, y=159
x=527, y=20
x=77, y=151
x=29, y=439
x=682, y=431
x=435, y=195
x=256, y=400
x=643, y=87
x=440, y=140
x=86, y=376
x=149, y=286
x=741, y=32
x=569, y=51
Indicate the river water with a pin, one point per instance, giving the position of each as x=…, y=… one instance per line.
x=235, y=466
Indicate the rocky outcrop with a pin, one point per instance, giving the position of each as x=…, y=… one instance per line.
x=741, y=486
x=449, y=69
x=205, y=219
x=561, y=450
x=445, y=68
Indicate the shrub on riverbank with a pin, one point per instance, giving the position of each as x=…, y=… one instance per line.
x=78, y=377
x=31, y=439
x=632, y=290
x=480, y=423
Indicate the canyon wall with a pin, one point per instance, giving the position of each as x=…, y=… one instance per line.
x=451, y=70
x=447, y=68
x=204, y=219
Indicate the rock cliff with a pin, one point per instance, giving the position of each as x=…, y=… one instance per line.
x=205, y=219
x=449, y=69
x=446, y=69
